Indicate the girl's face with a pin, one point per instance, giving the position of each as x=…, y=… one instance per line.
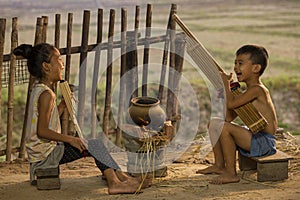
x=56, y=67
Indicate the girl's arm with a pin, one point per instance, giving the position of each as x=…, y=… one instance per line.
x=45, y=104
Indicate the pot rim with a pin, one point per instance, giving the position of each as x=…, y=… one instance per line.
x=135, y=100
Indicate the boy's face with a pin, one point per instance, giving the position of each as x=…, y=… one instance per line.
x=243, y=67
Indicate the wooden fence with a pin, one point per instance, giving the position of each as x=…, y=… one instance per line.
x=128, y=43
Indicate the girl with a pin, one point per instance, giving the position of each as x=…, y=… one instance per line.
x=45, y=145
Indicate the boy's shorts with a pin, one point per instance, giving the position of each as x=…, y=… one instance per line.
x=262, y=144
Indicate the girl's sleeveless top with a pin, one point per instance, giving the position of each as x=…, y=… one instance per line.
x=38, y=149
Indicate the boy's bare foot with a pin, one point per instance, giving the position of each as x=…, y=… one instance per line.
x=225, y=178
x=123, y=188
x=211, y=170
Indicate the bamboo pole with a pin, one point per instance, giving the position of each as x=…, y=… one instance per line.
x=170, y=94
x=57, y=31
x=65, y=116
x=122, y=72
x=179, y=59
x=135, y=80
x=96, y=72
x=146, y=50
x=83, y=64
x=10, y=105
x=165, y=56
x=45, y=28
x=37, y=40
x=2, y=41
x=68, y=47
x=109, y=72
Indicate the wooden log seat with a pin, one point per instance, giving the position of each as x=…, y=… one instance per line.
x=48, y=179
x=269, y=168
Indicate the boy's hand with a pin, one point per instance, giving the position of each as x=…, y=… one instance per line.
x=226, y=78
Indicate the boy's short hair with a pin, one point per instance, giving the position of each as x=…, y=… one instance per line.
x=258, y=55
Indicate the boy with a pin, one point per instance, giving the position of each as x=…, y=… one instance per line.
x=227, y=137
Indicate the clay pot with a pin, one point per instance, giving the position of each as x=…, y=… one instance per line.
x=146, y=111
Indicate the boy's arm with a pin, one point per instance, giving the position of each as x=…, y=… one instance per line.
x=230, y=115
x=235, y=101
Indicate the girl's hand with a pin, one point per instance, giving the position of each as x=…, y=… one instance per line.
x=78, y=143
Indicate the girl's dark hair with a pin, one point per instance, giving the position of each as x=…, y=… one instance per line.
x=258, y=55
x=35, y=56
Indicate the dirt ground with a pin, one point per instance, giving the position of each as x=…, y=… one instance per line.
x=81, y=180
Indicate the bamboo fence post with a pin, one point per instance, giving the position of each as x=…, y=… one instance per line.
x=83, y=64
x=45, y=28
x=146, y=50
x=38, y=39
x=179, y=59
x=96, y=71
x=135, y=77
x=65, y=116
x=109, y=72
x=170, y=95
x=68, y=47
x=2, y=41
x=165, y=55
x=57, y=31
x=10, y=104
x=122, y=72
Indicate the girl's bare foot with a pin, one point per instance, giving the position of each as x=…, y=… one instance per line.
x=225, y=178
x=142, y=180
x=123, y=188
x=211, y=170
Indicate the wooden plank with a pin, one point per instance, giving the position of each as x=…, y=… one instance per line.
x=278, y=156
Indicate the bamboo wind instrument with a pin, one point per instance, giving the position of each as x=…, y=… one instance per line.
x=70, y=103
x=211, y=69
